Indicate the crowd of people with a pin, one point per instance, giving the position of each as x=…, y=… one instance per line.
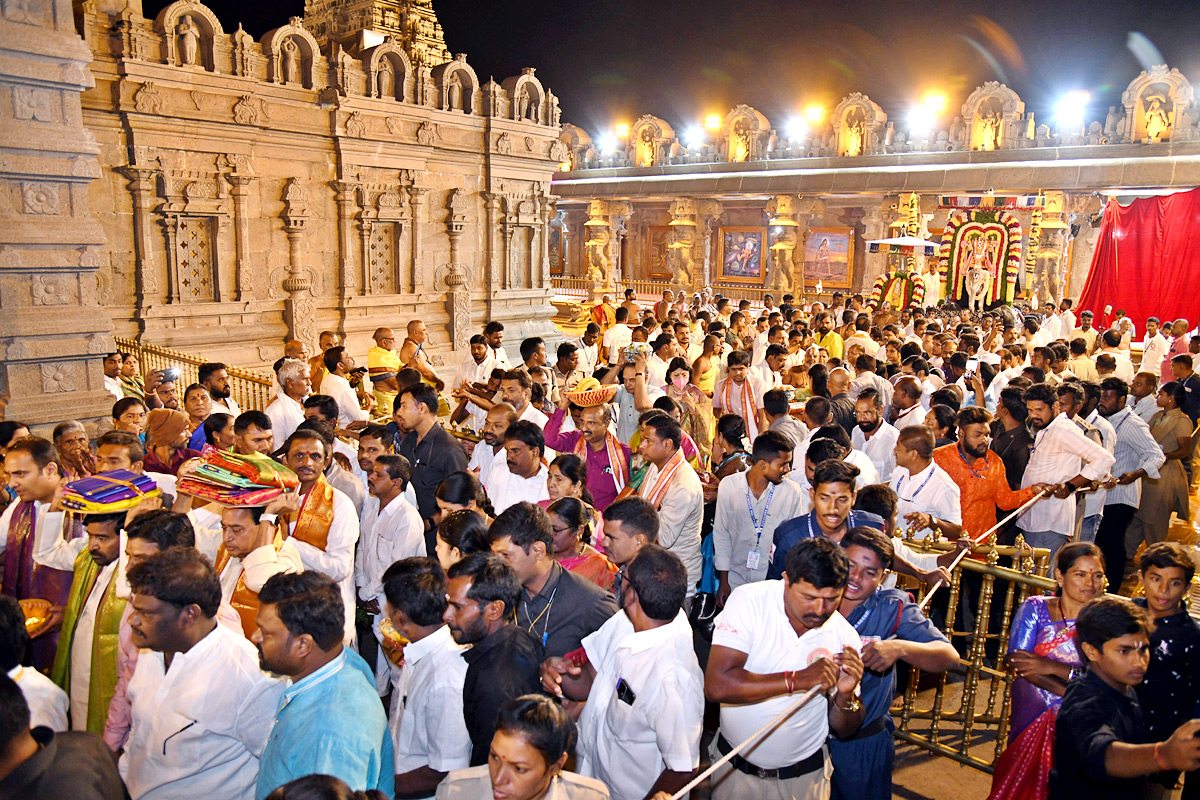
x=531, y=580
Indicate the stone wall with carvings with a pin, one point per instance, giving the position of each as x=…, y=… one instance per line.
x=344, y=172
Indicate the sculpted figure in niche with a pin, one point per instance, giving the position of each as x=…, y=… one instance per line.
x=1157, y=121
x=990, y=123
x=854, y=142
x=455, y=93
x=189, y=41
x=291, y=62
x=530, y=106
x=522, y=104
x=555, y=113
x=387, y=79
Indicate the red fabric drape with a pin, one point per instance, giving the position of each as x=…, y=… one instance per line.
x=1147, y=260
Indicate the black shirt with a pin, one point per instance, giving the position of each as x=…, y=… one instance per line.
x=502, y=667
x=1093, y=715
x=567, y=609
x=1014, y=448
x=1170, y=692
x=432, y=460
x=74, y=765
x=1191, y=400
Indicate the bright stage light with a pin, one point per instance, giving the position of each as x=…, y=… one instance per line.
x=814, y=113
x=606, y=143
x=713, y=122
x=622, y=131
x=795, y=129
x=921, y=120
x=693, y=137
x=1072, y=108
x=935, y=103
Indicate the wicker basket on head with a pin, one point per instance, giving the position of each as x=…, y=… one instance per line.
x=594, y=397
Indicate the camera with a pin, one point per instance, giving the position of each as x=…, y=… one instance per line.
x=170, y=374
x=359, y=371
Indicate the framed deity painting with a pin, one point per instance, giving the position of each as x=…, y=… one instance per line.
x=658, y=242
x=557, y=244
x=742, y=255
x=829, y=258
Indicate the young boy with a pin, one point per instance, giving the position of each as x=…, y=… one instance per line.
x=1170, y=693
x=1101, y=746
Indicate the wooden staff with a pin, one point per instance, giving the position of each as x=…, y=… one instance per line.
x=804, y=698
x=929, y=595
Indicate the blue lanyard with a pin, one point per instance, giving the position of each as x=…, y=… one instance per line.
x=925, y=483
x=986, y=465
x=813, y=534
x=759, y=526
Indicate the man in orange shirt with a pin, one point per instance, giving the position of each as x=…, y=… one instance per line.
x=983, y=486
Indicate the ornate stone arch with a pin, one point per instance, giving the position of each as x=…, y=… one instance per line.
x=527, y=97
x=650, y=138
x=374, y=59
x=992, y=114
x=170, y=18
x=444, y=76
x=743, y=132
x=578, y=144
x=1176, y=96
x=856, y=123
x=275, y=46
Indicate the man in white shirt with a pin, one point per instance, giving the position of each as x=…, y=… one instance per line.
x=1143, y=395
x=750, y=505
x=872, y=435
x=774, y=640
x=286, y=411
x=321, y=520
x=1063, y=456
x=112, y=375
x=617, y=337
x=906, y=403
x=516, y=389
x=336, y=384
x=48, y=704
x=1110, y=343
x=520, y=476
x=215, y=377
x=639, y=732
x=1085, y=331
x=201, y=707
x=656, y=364
x=588, y=347
x=427, y=722
x=390, y=529
x=865, y=377
x=741, y=393
x=769, y=371
x=925, y=492
x=687, y=345
x=634, y=396
x=491, y=444
x=473, y=375
x=672, y=486
x=1154, y=347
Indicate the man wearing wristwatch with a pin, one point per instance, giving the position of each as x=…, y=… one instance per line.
x=773, y=641
x=251, y=551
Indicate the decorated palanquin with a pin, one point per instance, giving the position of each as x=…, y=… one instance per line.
x=901, y=288
x=981, y=240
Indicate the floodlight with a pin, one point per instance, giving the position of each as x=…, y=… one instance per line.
x=713, y=122
x=814, y=113
x=1072, y=108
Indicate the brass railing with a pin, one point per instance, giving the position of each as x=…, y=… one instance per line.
x=250, y=389
x=570, y=287
x=986, y=700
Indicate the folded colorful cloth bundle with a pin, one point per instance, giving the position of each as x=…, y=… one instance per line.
x=236, y=480
x=109, y=492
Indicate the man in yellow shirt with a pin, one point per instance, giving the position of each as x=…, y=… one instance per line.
x=828, y=338
x=383, y=362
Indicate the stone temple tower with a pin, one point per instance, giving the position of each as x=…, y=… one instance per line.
x=359, y=24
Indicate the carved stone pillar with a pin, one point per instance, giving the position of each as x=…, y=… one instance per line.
x=141, y=186
x=416, y=282
x=239, y=191
x=604, y=228
x=299, y=308
x=810, y=211
x=710, y=219
x=346, y=193
x=54, y=332
x=458, y=288
x=874, y=227
x=681, y=247
x=784, y=231
x=491, y=278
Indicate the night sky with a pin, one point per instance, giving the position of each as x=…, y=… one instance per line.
x=613, y=61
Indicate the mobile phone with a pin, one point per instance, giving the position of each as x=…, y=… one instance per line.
x=972, y=365
x=170, y=374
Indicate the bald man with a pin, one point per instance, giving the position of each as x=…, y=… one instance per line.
x=382, y=365
x=906, y=404
x=412, y=354
x=839, y=398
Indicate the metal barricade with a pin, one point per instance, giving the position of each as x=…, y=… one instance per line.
x=251, y=389
x=985, y=703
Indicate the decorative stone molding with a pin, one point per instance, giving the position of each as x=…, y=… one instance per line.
x=32, y=103
x=504, y=144
x=147, y=99
x=427, y=133
x=49, y=290
x=59, y=377
x=40, y=197
x=356, y=125
x=246, y=110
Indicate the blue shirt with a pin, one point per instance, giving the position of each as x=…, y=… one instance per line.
x=888, y=614
x=797, y=529
x=330, y=723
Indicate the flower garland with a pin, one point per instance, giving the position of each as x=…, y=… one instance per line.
x=951, y=243
x=912, y=295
